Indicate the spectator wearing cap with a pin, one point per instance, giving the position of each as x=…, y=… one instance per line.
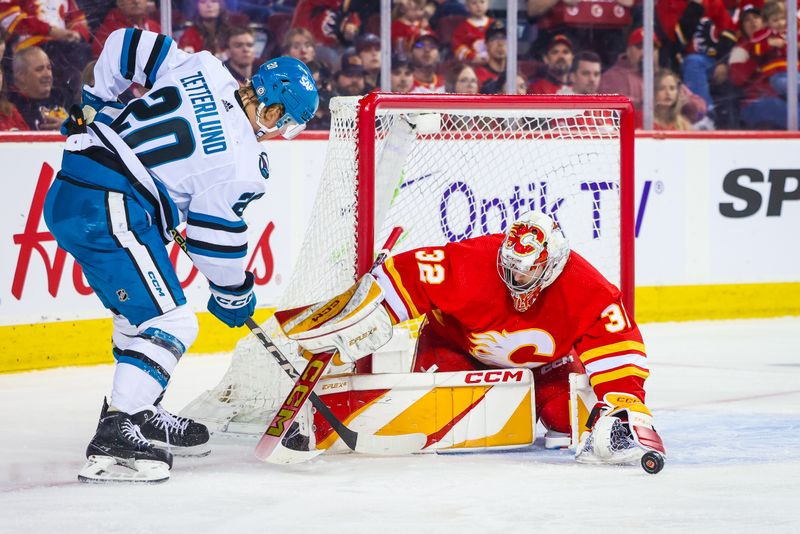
x=585, y=74
x=558, y=60
x=497, y=52
x=408, y=23
x=425, y=59
x=597, y=25
x=762, y=106
x=625, y=78
x=349, y=80
x=469, y=37
x=368, y=48
x=402, y=74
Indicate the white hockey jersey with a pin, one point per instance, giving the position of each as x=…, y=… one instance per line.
x=192, y=135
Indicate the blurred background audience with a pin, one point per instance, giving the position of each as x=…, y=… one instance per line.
x=720, y=64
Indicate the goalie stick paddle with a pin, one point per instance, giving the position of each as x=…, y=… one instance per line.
x=270, y=447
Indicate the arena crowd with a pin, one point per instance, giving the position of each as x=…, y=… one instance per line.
x=719, y=64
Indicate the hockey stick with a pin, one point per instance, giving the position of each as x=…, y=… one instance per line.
x=367, y=444
x=271, y=449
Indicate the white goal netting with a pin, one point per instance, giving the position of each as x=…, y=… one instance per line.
x=443, y=173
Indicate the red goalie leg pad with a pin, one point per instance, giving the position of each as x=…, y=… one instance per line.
x=552, y=392
x=649, y=438
x=436, y=351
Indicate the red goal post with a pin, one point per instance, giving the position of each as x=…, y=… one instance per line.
x=376, y=101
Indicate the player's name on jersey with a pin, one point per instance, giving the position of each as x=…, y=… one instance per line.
x=212, y=135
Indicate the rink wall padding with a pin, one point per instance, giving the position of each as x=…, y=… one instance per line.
x=28, y=347
x=716, y=238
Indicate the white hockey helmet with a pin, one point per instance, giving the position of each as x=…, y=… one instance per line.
x=531, y=257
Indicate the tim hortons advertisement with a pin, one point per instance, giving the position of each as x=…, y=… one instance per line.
x=42, y=283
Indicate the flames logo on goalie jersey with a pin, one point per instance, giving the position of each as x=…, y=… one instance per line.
x=531, y=347
x=526, y=239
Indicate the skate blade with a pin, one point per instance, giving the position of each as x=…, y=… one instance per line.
x=107, y=469
x=197, y=451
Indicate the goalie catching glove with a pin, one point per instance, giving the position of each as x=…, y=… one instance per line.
x=354, y=323
x=621, y=432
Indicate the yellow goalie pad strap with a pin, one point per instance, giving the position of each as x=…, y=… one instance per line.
x=467, y=410
x=626, y=400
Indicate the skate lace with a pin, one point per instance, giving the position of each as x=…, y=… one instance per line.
x=132, y=432
x=170, y=423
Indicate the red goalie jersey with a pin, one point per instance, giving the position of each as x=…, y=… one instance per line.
x=458, y=287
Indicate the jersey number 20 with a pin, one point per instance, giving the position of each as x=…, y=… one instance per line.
x=180, y=141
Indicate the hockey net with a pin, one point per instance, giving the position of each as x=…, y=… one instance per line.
x=445, y=168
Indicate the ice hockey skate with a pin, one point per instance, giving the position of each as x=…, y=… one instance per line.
x=119, y=452
x=179, y=435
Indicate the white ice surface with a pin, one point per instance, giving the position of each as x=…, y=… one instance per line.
x=726, y=397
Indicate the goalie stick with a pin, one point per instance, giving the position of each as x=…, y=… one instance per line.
x=271, y=449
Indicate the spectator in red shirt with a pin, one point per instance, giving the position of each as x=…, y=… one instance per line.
x=128, y=14
x=768, y=47
x=59, y=27
x=558, y=59
x=497, y=52
x=209, y=28
x=425, y=58
x=241, y=51
x=333, y=23
x=402, y=74
x=469, y=37
x=408, y=23
x=699, y=35
x=625, y=78
x=10, y=119
x=762, y=105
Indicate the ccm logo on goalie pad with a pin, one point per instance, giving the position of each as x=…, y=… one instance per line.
x=494, y=377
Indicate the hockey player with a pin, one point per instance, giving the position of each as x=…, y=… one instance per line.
x=548, y=310
x=186, y=151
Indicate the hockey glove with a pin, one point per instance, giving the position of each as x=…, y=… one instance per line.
x=233, y=306
x=621, y=432
x=95, y=109
x=75, y=123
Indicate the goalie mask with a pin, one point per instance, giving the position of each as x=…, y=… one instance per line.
x=531, y=257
